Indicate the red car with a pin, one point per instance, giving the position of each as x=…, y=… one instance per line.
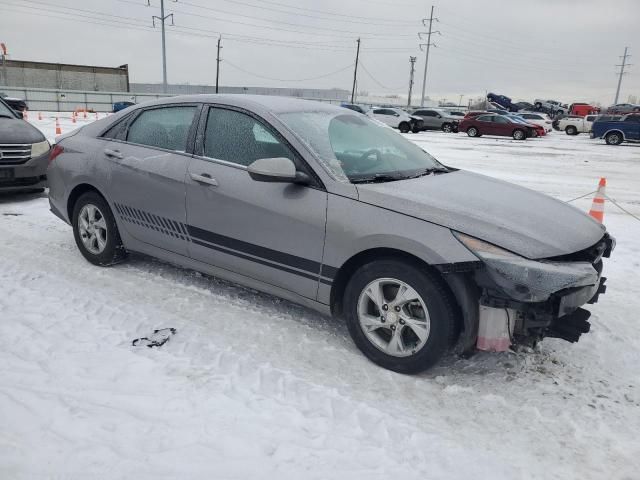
x=500, y=125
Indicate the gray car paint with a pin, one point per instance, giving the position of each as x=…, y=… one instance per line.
x=414, y=216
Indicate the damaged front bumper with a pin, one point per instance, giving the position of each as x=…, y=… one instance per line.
x=538, y=298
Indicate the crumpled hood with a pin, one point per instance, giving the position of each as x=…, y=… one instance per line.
x=525, y=222
x=13, y=130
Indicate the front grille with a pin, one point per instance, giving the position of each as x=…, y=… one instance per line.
x=14, y=153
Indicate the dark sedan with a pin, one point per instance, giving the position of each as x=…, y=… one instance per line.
x=23, y=153
x=500, y=125
x=17, y=104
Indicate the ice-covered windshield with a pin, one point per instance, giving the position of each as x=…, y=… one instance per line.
x=355, y=148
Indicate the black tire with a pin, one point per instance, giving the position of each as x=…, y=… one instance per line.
x=614, y=138
x=473, y=132
x=571, y=130
x=519, y=134
x=438, y=301
x=114, y=252
x=416, y=129
x=447, y=127
x=404, y=127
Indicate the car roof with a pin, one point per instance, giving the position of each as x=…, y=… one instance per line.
x=267, y=102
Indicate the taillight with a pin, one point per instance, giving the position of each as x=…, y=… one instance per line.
x=54, y=152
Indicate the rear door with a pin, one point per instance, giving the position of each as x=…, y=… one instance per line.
x=149, y=161
x=271, y=232
x=486, y=124
x=632, y=127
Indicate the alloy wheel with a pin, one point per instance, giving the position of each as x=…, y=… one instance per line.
x=92, y=227
x=393, y=317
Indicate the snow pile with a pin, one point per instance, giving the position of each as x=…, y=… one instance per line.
x=251, y=386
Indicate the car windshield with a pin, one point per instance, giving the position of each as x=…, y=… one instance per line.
x=5, y=111
x=354, y=148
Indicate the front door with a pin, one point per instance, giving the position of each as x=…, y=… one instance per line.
x=148, y=167
x=271, y=232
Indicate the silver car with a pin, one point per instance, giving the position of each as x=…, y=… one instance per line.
x=330, y=209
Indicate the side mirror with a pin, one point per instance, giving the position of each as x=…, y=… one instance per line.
x=396, y=114
x=279, y=170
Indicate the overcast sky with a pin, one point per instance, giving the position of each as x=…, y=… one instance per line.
x=561, y=49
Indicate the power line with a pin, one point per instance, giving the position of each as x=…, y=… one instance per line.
x=163, y=18
x=376, y=81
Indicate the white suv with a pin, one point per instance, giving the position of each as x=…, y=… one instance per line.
x=397, y=118
x=551, y=105
x=541, y=119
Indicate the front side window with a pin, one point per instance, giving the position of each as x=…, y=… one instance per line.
x=354, y=148
x=236, y=137
x=166, y=127
x=500, y=119
x=633, y=118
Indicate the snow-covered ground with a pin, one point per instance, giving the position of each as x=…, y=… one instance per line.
x=255, y=387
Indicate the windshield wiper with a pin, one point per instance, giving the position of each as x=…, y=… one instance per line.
x=378, y=178
x=429, y=171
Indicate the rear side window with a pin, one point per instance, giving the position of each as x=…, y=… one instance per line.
x=239, y=138
x=166, y=127
x=484, y=118
x=633, y=118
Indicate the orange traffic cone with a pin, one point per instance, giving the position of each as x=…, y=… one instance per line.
x=58, y=129
x=39, y=115
x=597, y=207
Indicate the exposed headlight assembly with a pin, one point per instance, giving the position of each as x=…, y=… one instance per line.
x=39, y=148
x=528, y=280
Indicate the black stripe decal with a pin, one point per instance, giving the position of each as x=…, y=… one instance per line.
x=255, y=250
x=256, y=260
x=328, y=271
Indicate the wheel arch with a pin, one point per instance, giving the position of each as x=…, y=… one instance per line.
x=76, y=192
x=614, y=130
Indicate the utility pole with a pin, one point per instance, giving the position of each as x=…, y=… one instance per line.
x=622, y=72
x=428, y=45
x=218, y=63
x=162, y=18
x=412, y=61
x=355, y=74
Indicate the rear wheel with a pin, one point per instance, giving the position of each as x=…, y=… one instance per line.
x=472, y=132
x=95, y=230
x=571, y=130
x=404, y=127
x=614, y=138
x=519, y=135
x=401, y=317
x=447, y=127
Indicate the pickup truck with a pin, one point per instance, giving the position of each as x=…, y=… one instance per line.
x=627, y=129
x=575, y=125
x=552, y=107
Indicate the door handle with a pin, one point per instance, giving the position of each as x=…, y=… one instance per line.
x=113, y=153
x=204, y=178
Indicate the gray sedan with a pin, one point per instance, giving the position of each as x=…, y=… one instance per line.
x=330, y=209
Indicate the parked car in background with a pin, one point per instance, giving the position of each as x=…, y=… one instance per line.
x=24, y=153
x=117, y=106
x=576, y=125
x=524, y=106
x=627, y=129
x=325, y=207
x=17, y=104
x=501, y=125
x=552, y=107
x=498, y=111
x=538, y=130
x=397, y=118
x=456, y=113
x=436, y=119
x=541, y=119
x=622, y=108
x=583, y=109
x=503, y=101
x=354, y=107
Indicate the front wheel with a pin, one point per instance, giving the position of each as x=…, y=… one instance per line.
x=400, y=316
x=404, y=127
x=95, y=230
x=519, y=135
x=614, y=138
